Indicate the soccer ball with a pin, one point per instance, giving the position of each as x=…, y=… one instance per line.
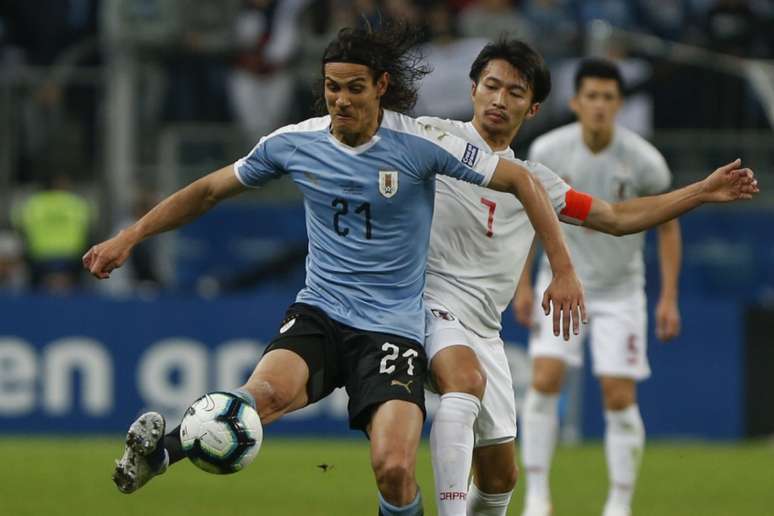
x=221, y=433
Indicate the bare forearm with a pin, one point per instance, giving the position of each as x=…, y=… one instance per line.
x=670, y=250
x=641, y=213
x=525, y=280
x=543, y=218
x=176, y=210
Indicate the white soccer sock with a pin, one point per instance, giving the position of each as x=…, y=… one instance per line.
x=485, y=504
x=624, y=442
x=540, y=421
x=451, y=445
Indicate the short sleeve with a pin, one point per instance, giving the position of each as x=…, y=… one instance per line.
x=654, y=173
x=266, y=161
x=536, y=151
x=555, y=186
x=455, y=157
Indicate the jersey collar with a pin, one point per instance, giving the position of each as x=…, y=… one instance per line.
x=471, y=129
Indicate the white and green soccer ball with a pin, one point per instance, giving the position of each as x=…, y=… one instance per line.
x=220, y=433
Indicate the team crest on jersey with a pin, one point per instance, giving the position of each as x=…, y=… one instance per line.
x=471, y=153
x=288, y=324
x=388, y=183
x=440, y=314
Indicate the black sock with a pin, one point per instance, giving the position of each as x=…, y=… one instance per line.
x=174, y=446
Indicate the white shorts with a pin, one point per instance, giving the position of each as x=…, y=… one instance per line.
x=496, y=421
x=617, y=328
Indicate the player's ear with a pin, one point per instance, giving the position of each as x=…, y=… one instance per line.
x=533, y=109
x=473, y=86
x=382, y=83
x=574, y=107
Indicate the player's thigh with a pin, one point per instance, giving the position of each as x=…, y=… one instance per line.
x=301, y=359
x=619, y=336
x=454, y=366
x=494, y=467
x=496, y=421
x=287, y=374
x=379, y=368
x=543, y=342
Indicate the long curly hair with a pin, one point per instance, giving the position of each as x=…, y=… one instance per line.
x=392, y=48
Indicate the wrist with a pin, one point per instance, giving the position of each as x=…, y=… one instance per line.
x=668, y=296
x=560, y=267
x=701, y=190
x=131, y=235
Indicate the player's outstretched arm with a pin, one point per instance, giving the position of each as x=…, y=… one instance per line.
x=176, y=210
x=726, y=184
x=565, y=292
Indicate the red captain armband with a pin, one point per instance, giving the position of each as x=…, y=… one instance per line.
x=577, y=207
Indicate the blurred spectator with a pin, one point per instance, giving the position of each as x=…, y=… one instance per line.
x=197, y=68
x=54, y=224
x=554, y=17
x=368, y=12
x=403, y=10
x=318, y=24
x=732, y=27
x=13, y=273
x=261, y=85
x=446, y=91
x=59, y=117
x=490, y=19
x=664, y=18
x=617, y=13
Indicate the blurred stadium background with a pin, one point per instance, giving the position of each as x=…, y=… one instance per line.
x=107, y=106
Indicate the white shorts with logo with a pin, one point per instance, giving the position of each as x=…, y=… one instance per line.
x=617, y=328
x=496, y=421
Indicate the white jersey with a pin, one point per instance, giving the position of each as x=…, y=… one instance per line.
x=479, y=239
x=628, y=167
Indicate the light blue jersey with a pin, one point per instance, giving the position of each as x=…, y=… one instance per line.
x=368, y=213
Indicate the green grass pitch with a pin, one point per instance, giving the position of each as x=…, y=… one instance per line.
x=48, y=477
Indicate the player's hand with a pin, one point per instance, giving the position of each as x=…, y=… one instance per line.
x=522, y=305
x=668, y=322
x=730, y=183
x=565, y=295
x=103, y=258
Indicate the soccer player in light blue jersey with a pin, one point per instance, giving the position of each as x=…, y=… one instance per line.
x=367, y=173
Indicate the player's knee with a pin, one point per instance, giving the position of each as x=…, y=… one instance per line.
x=468, y=380
x=270, y=397
x=618, y=401
x=472, y=381
x=618, y=393
x=501, y=481
x=546, y=382
x=395, y=477
x=618, y=398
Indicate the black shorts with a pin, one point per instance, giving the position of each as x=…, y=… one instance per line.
x=374, y=367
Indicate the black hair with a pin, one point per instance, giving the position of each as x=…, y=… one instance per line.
x=599, y=69
x=392, y=48
x=521, y=56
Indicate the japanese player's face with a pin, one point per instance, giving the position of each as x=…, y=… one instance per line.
x=502, y=98
x=596, y=103
x=353, y=98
